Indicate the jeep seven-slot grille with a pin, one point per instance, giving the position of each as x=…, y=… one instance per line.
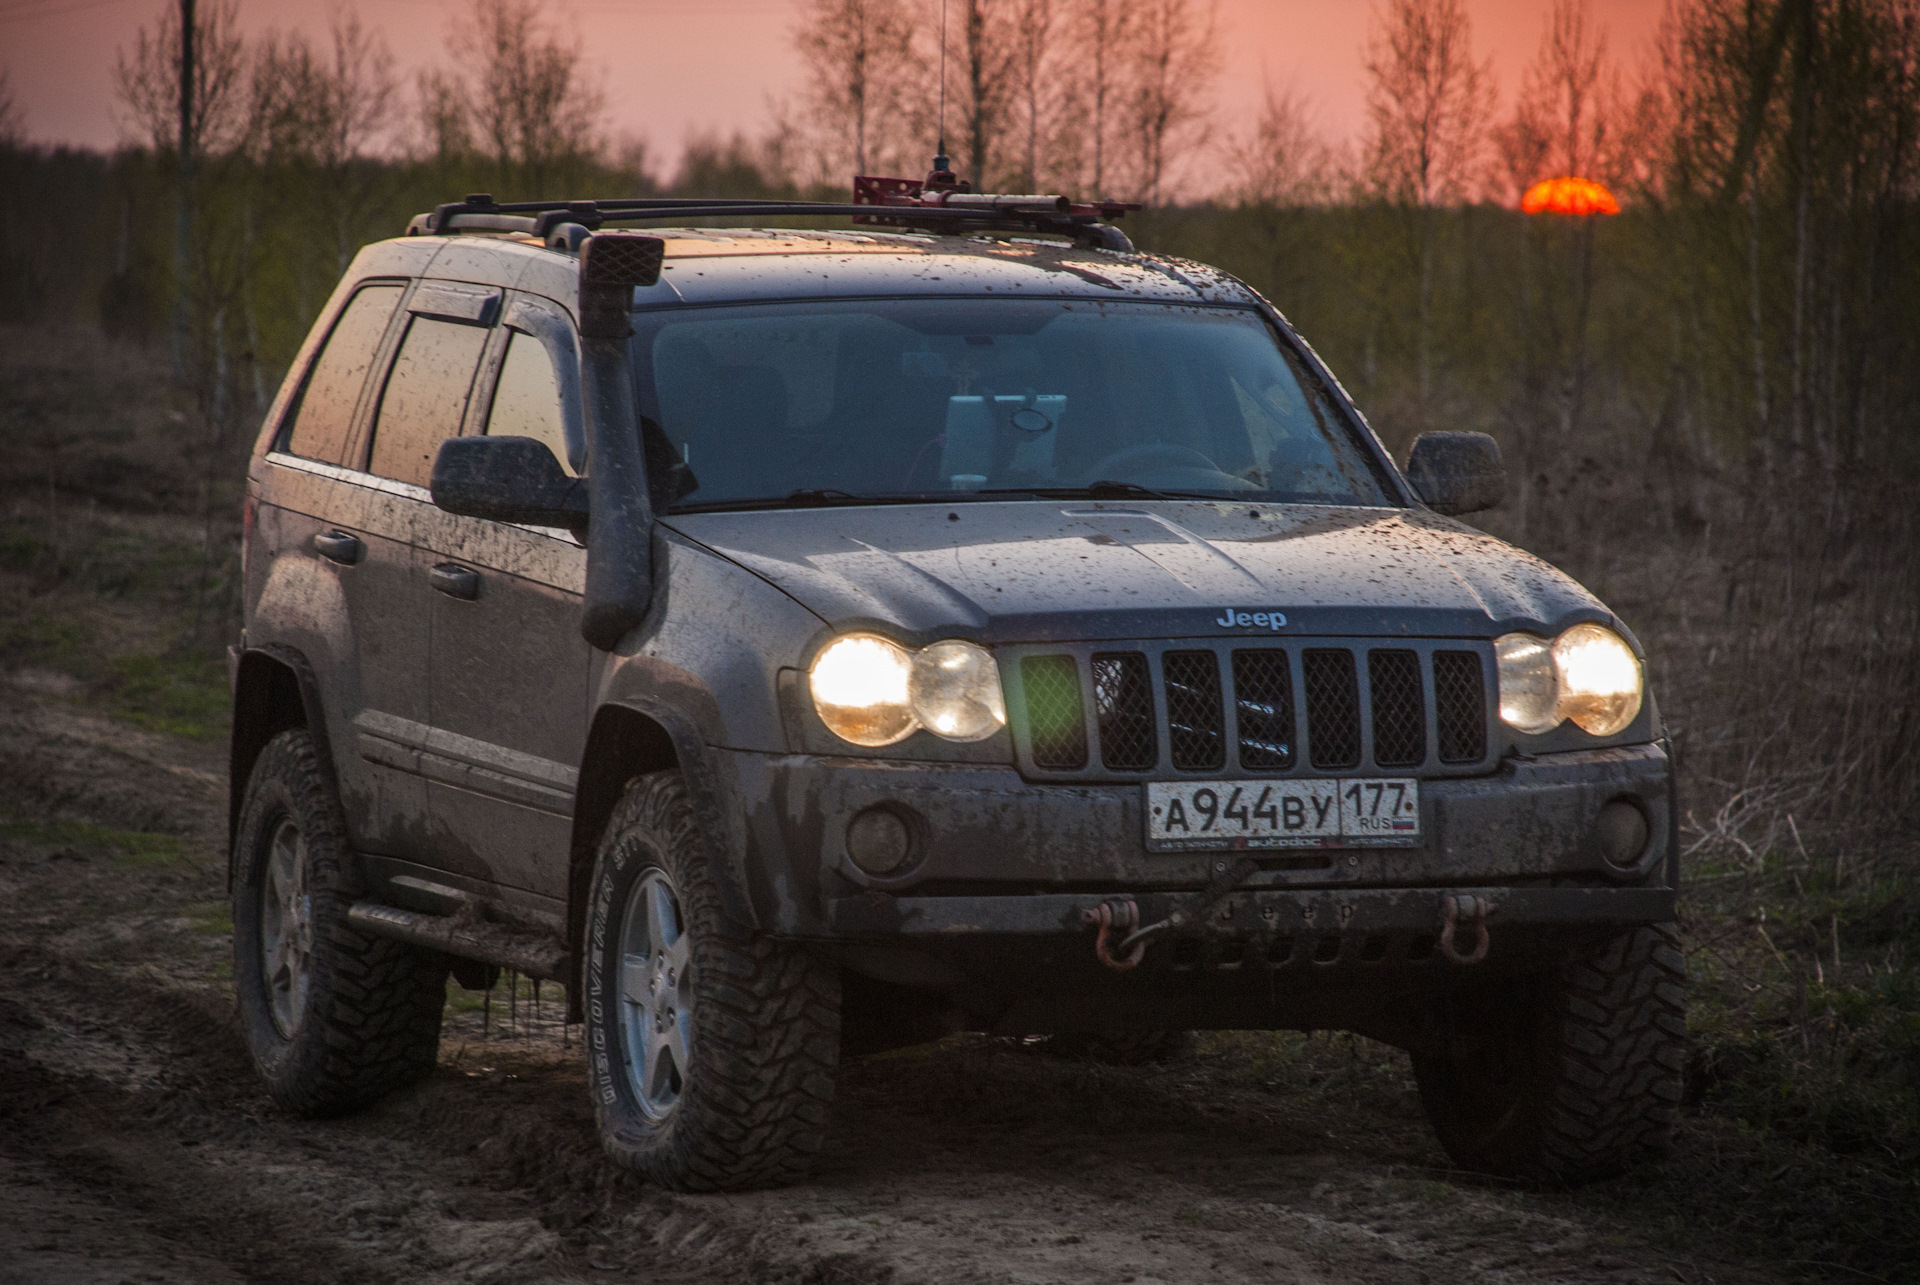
x=1252, y=714
x=1333, y=707
x=1399, y=715
x=1460, y=699
x=1056, y=722
x=1124, y=704
x=1263, y=704
x=1196, y=731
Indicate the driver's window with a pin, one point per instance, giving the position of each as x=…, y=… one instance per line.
x=526, y=401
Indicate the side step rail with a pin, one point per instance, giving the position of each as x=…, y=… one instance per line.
x=530, y=954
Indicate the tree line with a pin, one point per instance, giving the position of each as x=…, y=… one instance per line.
x=1767, y=151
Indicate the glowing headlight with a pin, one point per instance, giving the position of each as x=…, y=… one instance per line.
x=1587, y=674
x=860, y=689
x=955, y=691
x=872, y=691
x=1599, y=679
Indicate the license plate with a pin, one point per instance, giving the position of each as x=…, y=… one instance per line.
x=1186, y=815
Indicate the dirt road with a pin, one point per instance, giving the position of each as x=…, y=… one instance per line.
x=135, y=1145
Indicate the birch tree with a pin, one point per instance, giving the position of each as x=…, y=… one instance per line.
x=1427, y=110
x=861, y=72
x=1176, y=54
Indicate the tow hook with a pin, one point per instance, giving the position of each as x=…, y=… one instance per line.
x=1473, y=911
x=1109, y=915
x=1124, y=913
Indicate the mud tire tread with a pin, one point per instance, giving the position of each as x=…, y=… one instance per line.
x=1587, y=1062
x=372, y=1023
x=1622, y=1051
x=766, y=1025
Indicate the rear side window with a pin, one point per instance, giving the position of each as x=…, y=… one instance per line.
x=526, y=403
x=323, y=421
x=425, y=397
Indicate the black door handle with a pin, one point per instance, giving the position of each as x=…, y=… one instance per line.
x=338, y=546
x=455, y=581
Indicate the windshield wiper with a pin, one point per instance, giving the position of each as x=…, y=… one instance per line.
x=820, y=497
x=806, y=498
x=1107, y=489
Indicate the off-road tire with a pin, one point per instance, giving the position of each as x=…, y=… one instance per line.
x=1565, y=1077
x=371, y=1022
x=765, y=1037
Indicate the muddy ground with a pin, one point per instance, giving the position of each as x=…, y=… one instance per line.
x=136, y=1145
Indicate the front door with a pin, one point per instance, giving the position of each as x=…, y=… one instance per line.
x=508, y=674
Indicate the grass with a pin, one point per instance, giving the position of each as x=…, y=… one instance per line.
x=133, y=847
x=125, y=608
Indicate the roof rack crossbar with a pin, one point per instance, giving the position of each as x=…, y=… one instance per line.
x=1045, y=214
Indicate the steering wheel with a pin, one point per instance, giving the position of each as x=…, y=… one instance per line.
x=1164, y=454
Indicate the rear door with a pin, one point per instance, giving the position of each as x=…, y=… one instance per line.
x=342, y=590
x=509, y=667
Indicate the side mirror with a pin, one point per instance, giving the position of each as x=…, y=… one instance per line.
x=1457, y=472
x=508, y=479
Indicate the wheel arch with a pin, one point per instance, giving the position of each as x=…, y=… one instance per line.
x=630, y=739
x=274, y=688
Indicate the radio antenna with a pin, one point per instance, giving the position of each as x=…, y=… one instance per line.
x=941, y=164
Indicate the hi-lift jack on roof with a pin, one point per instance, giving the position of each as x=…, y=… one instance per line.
x=938, y=203
x=957, y=207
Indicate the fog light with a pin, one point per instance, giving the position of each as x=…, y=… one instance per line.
x=1621, y=831
x=878, y=841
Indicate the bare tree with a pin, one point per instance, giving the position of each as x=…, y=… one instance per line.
x=1428, y=103
x=861, y=66
x=13, y=130
x=1563, y=120
x=516, y=93
x=1176, y=55
x=1102, y=40
x=1283, y=161
x=1038, y=97
x=326, y=112
x=1428, y=108
x=147, y=82
x=181, y=87
x=983, y=49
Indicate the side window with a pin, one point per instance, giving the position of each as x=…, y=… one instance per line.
x=425, y=398
x=323, y=421
x=526, y=402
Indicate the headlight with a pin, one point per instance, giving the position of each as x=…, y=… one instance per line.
x=1599, y=679
x=860, y=689
x=872, y=691
x=955, y=691
x=1529, y=695
x=1587, y=674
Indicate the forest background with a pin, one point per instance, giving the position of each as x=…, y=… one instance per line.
x=1708, y=403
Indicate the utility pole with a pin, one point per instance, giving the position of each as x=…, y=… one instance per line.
x=183, y=198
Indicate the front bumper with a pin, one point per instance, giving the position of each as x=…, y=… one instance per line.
x=983, y=832
x=989, y=910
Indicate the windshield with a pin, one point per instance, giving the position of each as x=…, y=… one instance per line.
x=904, y=399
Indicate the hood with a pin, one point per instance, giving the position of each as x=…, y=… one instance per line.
x=1050, y=571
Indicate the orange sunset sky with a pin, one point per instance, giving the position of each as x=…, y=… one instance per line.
x=675, y=67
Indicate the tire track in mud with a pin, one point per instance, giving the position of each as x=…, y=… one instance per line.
x=136, y=1143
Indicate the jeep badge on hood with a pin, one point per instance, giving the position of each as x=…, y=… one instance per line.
x=1231, y=619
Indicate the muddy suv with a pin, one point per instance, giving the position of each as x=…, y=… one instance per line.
x=802, y=643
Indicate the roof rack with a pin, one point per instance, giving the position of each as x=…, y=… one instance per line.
x=909, y=203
